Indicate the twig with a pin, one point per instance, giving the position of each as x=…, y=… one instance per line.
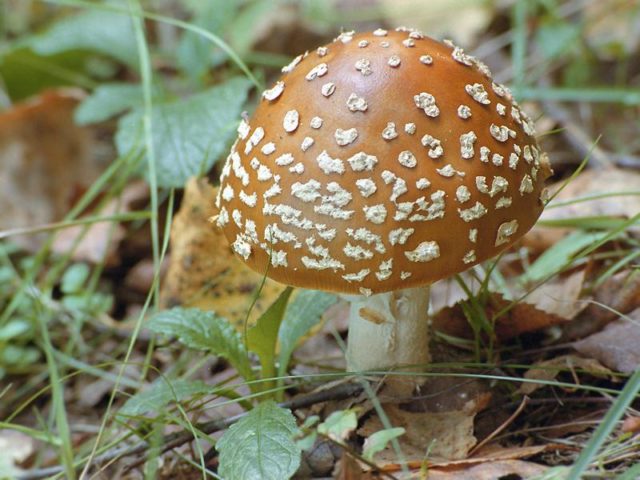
x=350, y=451
x=173, y=440
x=504, y=425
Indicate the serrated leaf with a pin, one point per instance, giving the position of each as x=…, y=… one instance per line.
x=160, y=394
x=378, y=441
x=302, y=314
x=188, y=135
x=263, y=336
x=107, y=101
x=108, y=33
x=339, y=424
x=260, y=446
x=204, y=331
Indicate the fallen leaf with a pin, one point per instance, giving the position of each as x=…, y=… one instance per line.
x=15, y=449
x=99, y=241
x=631, y=424
x=609, y=24
x=616, y=346
x=560, y=297
x=590, y=183
x=490, y=454
x=548, y=370
x=519, y=319
x=463, y=23
x=203, y=272
x=348, y=468
x=443, y=429
x=45, y=161
x=490, y=471
x=619, y=294
x=140, y=277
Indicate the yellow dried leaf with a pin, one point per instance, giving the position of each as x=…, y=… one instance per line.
x=203, y=272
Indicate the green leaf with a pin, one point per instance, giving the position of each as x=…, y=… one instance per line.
x=556, y=38
x=195, y=54
x=18, y=356
x=560, y=254
x=14, y=329
x=242, y=33
x=161, y=393
x=339, y=424
x=378, y=441
x=206, y=331
x=75, y=278
x=263, y=336
x=188, y=135
x=260, y=446
x=107, y=101
x=108, y=33
x=302, y=314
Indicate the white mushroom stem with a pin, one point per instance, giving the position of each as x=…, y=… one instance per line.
x=389, y=330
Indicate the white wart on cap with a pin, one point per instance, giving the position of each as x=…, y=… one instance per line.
x=381, y=161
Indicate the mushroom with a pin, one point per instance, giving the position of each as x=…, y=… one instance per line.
x=377, y=165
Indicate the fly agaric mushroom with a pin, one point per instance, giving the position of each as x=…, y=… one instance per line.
x=375, y=166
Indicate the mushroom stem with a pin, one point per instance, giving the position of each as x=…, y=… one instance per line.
x=389, y=330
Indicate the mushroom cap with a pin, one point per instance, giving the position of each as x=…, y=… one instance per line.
x=381, y=161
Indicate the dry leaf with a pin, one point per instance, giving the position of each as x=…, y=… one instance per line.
x=631, y=425
x=589, y=183
x=488, y=455
x=617, y=346
x=45, y=162
x=100, y=241
x=560, y=297
x=548, y=370
x=16, y=448
x=445, y=430
x=462, y=24
x=619, y=294
x=348, y=468
x=519, y=319
x=490, y=471
x=611, y=24
x=203, y=271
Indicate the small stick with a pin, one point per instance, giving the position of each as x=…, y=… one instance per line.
x=173, y=440
x=504, y=425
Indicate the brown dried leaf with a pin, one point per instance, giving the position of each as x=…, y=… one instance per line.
x=631, y=425
x=490, y=471
x=446, y=431
x=519, y=319
x=203, y=272
x=620, y=294
x=588, y=183
x=491, y=454
x=348, y=468
x=548, y=370
x=45, y=162
x=560, y=297
x=463, y=23
x=100, y=241
x=616, y=346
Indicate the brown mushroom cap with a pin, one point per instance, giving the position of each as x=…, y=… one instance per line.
x=381, y=161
